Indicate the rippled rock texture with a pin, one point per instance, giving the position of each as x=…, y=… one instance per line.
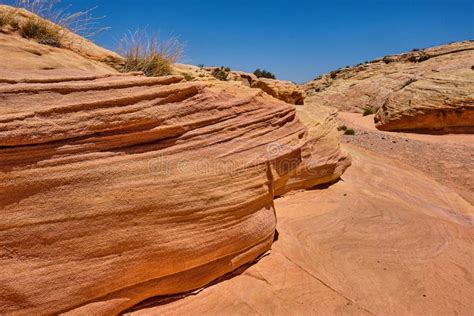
x=115, y=188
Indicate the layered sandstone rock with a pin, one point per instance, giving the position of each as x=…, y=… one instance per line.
x=283, y=90
x=115, y=188
x=431, y=89
x=435, y=102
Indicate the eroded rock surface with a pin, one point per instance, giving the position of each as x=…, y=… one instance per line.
x=284, y=90
x=116, y=188
x=74, y=46
x=426, y=90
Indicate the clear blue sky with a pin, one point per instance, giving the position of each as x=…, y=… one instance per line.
x=296, y=40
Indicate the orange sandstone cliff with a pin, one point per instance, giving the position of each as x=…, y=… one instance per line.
x=117, y=187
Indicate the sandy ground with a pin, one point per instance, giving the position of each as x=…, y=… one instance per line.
x=385, y=239
x=447, y=158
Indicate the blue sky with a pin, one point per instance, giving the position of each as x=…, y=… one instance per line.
x=297, y=40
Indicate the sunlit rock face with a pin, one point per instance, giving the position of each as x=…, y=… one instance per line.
x=286, y=91
x=115, y=188
x=426, y=90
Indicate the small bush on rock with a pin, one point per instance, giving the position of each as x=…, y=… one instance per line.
x=349, y=131
x=221, y=73
x=262, y=73
x=83, y=22
x=41, y=31
x=368, y=111
x=342, y=128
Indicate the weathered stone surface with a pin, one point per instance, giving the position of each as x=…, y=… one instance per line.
x=115, y=188
x=364, y=246
x=437, y=103
x=431, y=89
x=70, y=41
x=284, y=90
x=21, y=54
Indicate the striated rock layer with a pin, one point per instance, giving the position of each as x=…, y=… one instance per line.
x=115, y=188
x=435, y=103
x=426, y=90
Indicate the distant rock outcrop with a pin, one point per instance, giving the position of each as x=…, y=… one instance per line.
x=425, y=90
x=118, y=187
x=284, y=90
x=436, y=102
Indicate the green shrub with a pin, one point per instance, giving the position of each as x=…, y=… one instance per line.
x=368, y=111
x=342, y=128
x=349, y=131
x=41, y=31
x=262, y=73
x=221, y=73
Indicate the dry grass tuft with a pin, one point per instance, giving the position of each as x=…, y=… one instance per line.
x=82, y=23
x=148, y=54
x=45, y=33
x=6, y=18
x=52, y=34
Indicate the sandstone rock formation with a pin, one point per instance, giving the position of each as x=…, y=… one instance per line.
x=18, y=53
x=116, y=187
x=72, y=42
x=284, y=90
x=386, y=240
x=435, y=102
x=425, y=90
